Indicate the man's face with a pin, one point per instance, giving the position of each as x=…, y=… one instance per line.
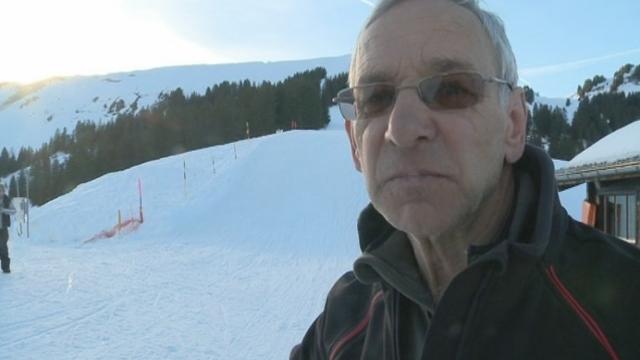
x=429, y=171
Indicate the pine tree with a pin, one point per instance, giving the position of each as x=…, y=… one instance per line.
x=635, y=75
x=529, y=95
x=175, y=123
x=22, y=182
x=617, y=81
x=13, y=187
x=5, y=162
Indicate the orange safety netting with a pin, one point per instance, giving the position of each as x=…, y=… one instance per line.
x=124, y=227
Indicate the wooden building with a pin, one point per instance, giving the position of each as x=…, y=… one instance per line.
x=611, y=169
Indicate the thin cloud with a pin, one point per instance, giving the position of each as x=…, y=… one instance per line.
x=368, y=2
x=558, y=68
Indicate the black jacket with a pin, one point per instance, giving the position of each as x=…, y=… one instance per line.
x=6, y=219
x=548, y=288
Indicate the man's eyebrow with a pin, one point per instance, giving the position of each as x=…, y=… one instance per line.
x=443, y=64
x=375, y=77
x=431, y=67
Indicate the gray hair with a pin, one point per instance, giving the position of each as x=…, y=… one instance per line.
x=492, y=24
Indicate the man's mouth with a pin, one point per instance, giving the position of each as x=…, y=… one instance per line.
x=412, y=176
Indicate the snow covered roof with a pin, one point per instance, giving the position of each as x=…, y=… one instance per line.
x=621, y=145
x=617, y=155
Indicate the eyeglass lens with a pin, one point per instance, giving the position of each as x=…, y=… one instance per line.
x=443, y=92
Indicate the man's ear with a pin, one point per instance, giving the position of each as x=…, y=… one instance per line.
x=516, y=130
x=349, y=126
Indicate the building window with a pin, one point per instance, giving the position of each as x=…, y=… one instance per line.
x=621, y=216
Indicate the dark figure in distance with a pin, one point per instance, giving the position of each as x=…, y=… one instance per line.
x=6, y=209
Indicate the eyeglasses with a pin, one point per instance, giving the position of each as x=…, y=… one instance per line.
x=446, y=91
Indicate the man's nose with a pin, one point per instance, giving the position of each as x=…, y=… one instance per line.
x=410, y=120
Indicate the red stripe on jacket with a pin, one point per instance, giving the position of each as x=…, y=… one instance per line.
x=588, y=320
x=356, y=330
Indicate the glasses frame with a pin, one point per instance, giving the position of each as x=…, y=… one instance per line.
x=346, y=95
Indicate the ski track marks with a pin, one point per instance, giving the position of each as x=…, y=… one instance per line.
x=231, y=265
x=137, y=300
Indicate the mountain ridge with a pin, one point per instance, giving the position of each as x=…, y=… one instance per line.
x=30, y=114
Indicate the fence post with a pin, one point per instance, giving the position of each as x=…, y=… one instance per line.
x=119, y=221
x=184, y=174
x=28, y=206
x=140, y=194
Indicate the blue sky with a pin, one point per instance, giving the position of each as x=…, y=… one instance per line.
x=558, y=44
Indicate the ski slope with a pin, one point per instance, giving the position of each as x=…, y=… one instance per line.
x=232, y=263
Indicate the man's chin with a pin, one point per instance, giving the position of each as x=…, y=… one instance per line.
x=419, y=218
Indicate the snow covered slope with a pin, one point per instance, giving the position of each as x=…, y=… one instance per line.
x=628, y=86
x=571, y=103
x=232, y=263
x=29, y=115
x=569, y=109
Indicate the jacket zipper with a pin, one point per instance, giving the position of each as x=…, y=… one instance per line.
x=483, y=285
x=472, y=312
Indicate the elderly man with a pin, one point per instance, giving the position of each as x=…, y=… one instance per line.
x=466, y=250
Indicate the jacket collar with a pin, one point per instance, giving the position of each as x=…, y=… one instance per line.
x=387, y=254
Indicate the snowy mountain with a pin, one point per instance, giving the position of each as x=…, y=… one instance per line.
x=30, y=114
x=569, y=105
x=628, y=85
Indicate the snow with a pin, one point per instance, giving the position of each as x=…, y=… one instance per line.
x=558, y=102
x=59, y=156
x=628, y=86
x=621, y=144
x=572, y=198
x=233, y=263
x=30, y=115
x=559, y=164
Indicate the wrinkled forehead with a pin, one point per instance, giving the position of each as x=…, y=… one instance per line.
x=421, y=38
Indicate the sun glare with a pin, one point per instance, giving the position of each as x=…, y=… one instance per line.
x=41, y=39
